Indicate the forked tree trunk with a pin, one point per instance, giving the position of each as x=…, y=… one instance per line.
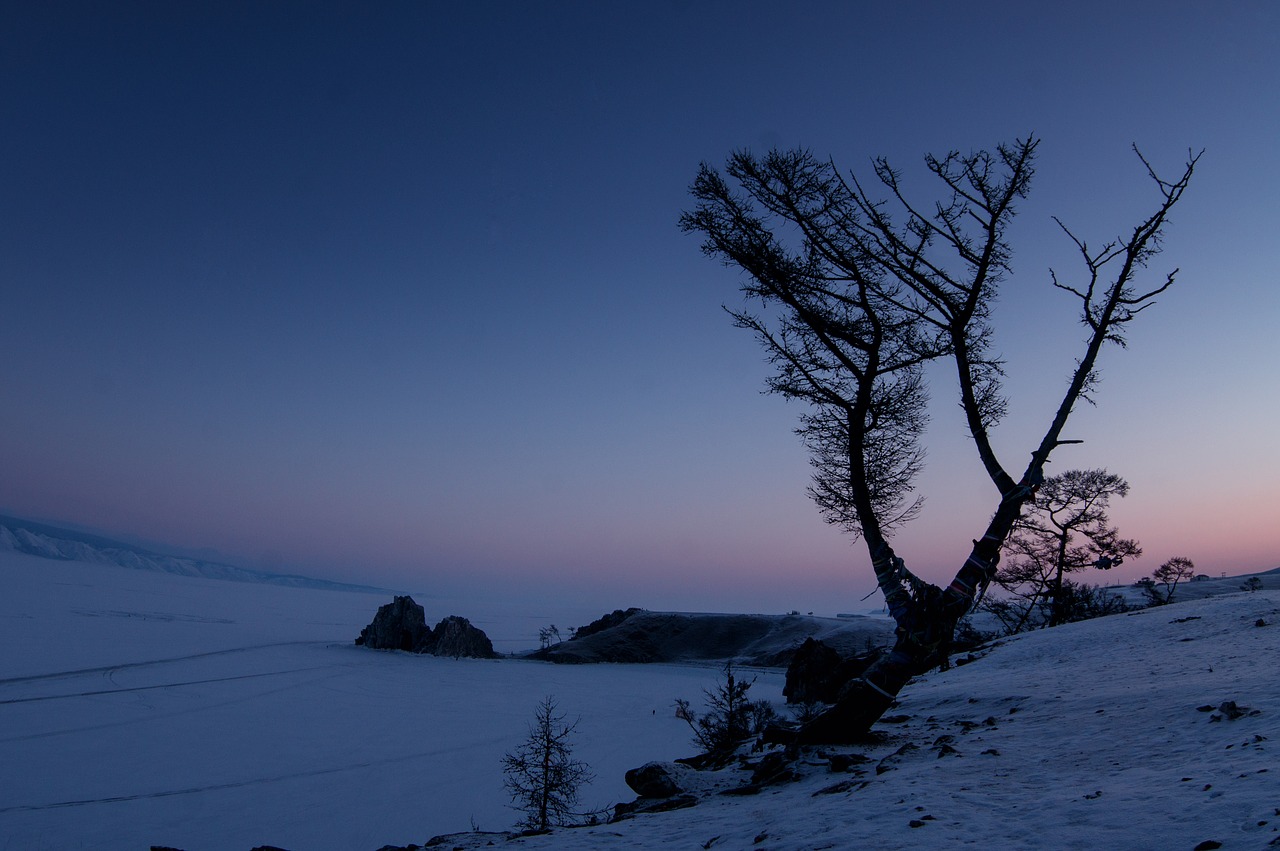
x=927, y=617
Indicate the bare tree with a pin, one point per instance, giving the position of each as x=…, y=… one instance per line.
x=1166, y=578
x=856, y=293
x=541, y=774
x=1066, y=529
x=547, y=634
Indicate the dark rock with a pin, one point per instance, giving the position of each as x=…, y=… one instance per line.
x=469, y=839
x=1234, y=711
x=705, y=761
x=808, y=673
x=402, y=625
x=652, y=805
x=399, y=625
x=773, y=768
x=654, y=780
x=268, y=848
x=891, y=761
x=818, y=673
x=1208, y=845
x=841, y=762
x=604, y=622
x=842, y=786
x=455, y=636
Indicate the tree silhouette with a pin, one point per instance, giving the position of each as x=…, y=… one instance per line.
x=541, y=774
x=1166, y=578
x=1065, y=530
x=855, y=294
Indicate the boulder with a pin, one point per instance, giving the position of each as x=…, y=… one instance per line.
x=817, y=673
x=455, y=636
x=627, y=810
x=655, y=780
x=809, y=671
x=399, y=625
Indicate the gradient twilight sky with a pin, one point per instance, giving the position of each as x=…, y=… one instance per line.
x=394, y=292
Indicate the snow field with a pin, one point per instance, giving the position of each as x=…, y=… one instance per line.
x=142, y=708
x=139, y=708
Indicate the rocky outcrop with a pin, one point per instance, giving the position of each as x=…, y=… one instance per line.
x=402, y=625
x=808, y=673
x=399, y=625
x=817, y=673
x=456, y=637
x=609, y=621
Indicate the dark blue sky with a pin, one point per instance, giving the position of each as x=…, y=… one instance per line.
x=395, y=292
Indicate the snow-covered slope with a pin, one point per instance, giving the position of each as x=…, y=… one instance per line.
x=1102, y=734
x=38, y=539
x=1198, y=589
x=140, y=708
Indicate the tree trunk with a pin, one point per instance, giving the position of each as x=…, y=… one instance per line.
x=926, y=618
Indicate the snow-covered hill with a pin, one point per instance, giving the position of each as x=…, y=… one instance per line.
x=765, y=640
x=38, y=539
x=141, y=708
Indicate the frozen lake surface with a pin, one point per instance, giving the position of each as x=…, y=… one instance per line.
x=140, y=708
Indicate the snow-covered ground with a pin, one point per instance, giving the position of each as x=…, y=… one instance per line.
x=139, y=708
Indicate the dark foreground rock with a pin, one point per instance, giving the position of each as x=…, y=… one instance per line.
x=818, y=673
x=402, y=625
x=656, y=780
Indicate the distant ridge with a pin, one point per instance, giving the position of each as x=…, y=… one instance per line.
x=40, y=539
x=760, y=640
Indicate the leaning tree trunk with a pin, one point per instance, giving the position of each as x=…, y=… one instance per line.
x=926, y=616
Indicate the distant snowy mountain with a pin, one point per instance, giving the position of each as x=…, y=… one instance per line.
x=39, y=539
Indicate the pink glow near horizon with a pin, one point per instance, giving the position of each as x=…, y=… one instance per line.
x=401, y=298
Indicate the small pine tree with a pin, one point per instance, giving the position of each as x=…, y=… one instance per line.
x=730, y=718
x=541, y=774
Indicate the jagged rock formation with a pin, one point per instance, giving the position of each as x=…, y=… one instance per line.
x=456, y=637
x=402, y=625
x=399, y=625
